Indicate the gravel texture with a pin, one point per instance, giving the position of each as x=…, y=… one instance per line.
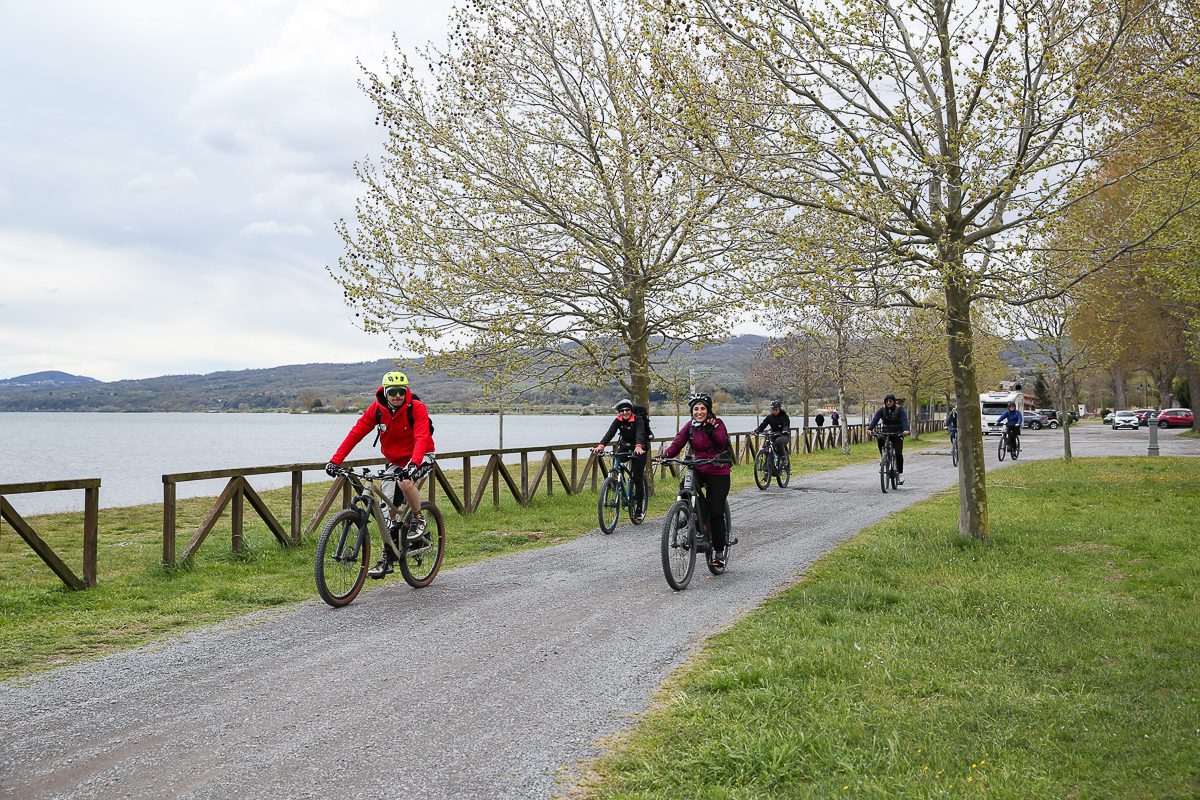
x=493, y=682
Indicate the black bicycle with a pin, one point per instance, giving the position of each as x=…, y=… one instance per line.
x=344, y=548
x=1010, y=443
x=686, y=529
x=888, y=474
x=954, y=448
x=772, y=461
x=616, y=492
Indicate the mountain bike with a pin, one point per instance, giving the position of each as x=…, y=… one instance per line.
x=616, y=492
x=887, y=462
x=686, y=529
x=1009, y=444
x=771, y=462
x=344, y=547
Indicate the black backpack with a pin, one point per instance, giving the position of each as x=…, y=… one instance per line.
x=642, y=415
x=411, y=422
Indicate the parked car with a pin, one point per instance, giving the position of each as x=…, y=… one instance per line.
x=1050, y=417
x=1036, y=420
x=1144, y=415
x=1108, y=418
x=1125, y=419
x=1175, y=418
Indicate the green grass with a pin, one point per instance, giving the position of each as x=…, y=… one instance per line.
x=43, y=624
x=1060, y=659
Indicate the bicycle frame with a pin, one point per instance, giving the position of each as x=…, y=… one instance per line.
x=624, y=476
x=371, y=499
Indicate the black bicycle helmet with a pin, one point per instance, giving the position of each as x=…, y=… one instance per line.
x=776, y=404
x=623, y=404
x=700, y=398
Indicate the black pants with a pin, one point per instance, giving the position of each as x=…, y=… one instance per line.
x=637, y=473
x=781, y=441
x=897, y=445
x=1011, y=432
x=716, y=491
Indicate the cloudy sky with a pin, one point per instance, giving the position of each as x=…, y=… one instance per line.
x=170, y=176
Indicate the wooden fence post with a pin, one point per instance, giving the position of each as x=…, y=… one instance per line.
x=169, y=523
x=297, y=501
x=91, y=529
x=236, y=512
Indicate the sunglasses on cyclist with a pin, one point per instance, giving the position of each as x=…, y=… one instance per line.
x=396, y=391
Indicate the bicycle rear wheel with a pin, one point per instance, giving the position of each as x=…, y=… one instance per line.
x=783, y=470
x=421, y=560
x=679, y=545
x=954, y=452
x=762, y=469
x=608, y=508
x=1016, y=448
x=340, y=566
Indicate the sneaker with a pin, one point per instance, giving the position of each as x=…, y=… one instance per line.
x=382, y=567
x=637, y=518
x=416, y=528
x=718, y=559
x=899, y=481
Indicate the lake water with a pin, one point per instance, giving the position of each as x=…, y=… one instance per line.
x=131, y=452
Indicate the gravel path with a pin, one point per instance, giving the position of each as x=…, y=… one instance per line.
x=493, y=682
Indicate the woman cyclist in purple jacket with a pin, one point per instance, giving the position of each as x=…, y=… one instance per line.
x=709, y=439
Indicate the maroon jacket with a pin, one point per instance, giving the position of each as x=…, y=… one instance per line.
x=707, y=442
x=401, y=442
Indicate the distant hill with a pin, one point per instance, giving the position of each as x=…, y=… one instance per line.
x=46, y=380
x=328, y=387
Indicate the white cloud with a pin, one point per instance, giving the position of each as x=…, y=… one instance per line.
x=273, y=228
x=172, y=176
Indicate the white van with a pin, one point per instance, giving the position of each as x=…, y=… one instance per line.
x=993, y=404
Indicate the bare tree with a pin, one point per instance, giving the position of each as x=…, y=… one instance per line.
x=944, y=137
x=789, y=366
x=527, y=198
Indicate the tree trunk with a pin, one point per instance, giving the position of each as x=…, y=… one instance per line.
x=804, y=419
x=500, y=405
x=916, y=410
x=841, y=395
x=1118, y=379
x=972, y=477
x=639, y=352
x=1193, y=373
x=1064, y=420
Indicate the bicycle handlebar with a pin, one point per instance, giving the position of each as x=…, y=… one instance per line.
x=693, y=462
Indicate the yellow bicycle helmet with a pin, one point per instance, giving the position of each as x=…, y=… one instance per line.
x=394, y=379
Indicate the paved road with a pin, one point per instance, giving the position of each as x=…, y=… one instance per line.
x=493, y=682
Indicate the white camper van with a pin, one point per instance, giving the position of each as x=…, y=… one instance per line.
x=993, y=404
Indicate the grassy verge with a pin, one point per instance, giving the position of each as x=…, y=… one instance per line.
x=44, y=624
x=1057, y=660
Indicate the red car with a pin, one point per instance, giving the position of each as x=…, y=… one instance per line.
x=1175, y=418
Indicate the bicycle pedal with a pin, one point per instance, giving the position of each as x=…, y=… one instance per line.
x=732, y=543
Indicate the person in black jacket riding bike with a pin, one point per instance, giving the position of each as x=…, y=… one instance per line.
x=894, y=423
x=780, y=426
x=632, y=435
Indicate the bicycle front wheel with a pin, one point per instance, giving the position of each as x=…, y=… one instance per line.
x=1003, y=446
x=340, y=566
x=954, y=452
x=884, y=466
x=783, y=470
x=421, y=559
x=608, y=508
x=762, y=469
x=679, y=545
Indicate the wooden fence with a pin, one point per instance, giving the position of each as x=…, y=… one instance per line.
x=571, y=472
x=91, y=513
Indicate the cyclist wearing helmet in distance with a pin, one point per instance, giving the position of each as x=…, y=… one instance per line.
x=709, y=439
x=1012, y=420
x=780, y=425
x=894, y=423
x=631, y=435
x=407, y=444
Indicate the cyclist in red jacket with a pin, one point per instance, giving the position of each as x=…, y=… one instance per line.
x=406, y=439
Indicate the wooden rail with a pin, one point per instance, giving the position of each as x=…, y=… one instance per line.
x=91, y=514
x=571, y=472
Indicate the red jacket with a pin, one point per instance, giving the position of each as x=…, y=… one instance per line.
x=400, y=442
